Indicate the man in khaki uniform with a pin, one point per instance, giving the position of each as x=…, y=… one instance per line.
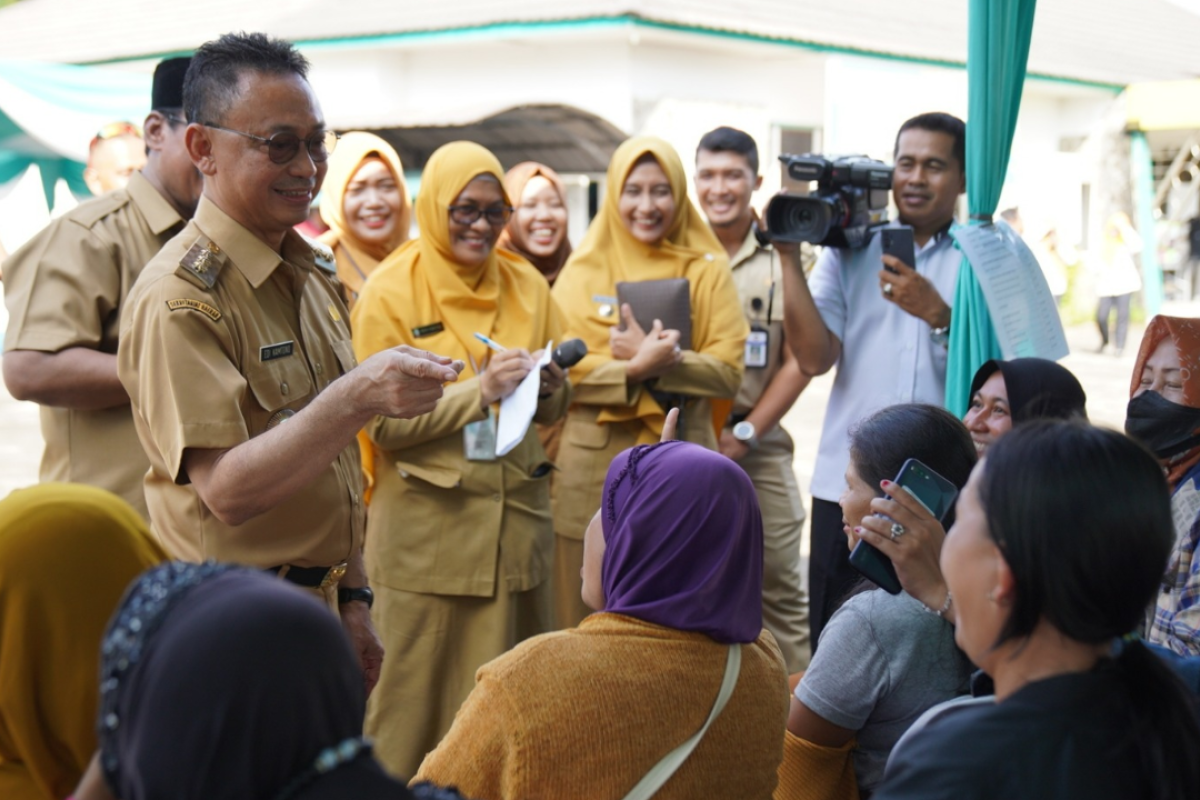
x=65, y=290
x=236, y=352
x=726, y=177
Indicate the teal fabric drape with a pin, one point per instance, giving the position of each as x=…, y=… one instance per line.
x=997, y=52
x=50, y=112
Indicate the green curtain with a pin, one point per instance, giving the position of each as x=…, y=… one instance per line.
x=49, y=112
x=997, y=52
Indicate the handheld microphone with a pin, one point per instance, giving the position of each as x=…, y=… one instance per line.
x=569, y=353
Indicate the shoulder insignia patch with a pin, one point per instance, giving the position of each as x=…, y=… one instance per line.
x=202, y=263
x=195, y=305
x=322, y=255
x=323, y=258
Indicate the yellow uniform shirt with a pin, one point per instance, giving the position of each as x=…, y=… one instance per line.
x=222, y=339
x=65, y=288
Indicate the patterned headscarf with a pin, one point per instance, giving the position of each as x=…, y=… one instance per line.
x=1184, y=332
x=219, y=681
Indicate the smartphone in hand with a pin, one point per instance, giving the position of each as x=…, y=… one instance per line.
x=932, y=491
x=898, y=242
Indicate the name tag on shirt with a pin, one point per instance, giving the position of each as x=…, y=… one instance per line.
x=479, y=439
x=428, y=330
x=757, y=345
x=271, y=352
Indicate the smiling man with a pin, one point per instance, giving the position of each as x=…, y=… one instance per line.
x=726, y=178
x=884, y=323
x=236, y=353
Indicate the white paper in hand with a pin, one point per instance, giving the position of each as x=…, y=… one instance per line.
x=517, y=410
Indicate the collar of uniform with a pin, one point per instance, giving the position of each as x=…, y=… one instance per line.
x=159, y=214
x=247, y=253
x=748, y=250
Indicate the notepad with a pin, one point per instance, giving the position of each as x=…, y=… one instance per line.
x=517, y=410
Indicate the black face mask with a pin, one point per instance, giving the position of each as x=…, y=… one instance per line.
x=1167, y=428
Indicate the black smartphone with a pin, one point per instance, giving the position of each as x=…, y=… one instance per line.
x=932, y=491
x=898, y=242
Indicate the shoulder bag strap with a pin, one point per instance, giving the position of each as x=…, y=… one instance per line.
x=653, y=780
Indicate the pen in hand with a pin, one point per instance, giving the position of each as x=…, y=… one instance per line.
x=492, y=344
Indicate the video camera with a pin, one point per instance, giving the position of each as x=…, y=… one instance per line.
x=851, y=199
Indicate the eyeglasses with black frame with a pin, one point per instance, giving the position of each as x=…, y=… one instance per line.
x=282, y=147
x=470, y=214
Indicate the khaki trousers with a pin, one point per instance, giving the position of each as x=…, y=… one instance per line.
x=569, y=608
x=785, y=603
x=433, y=644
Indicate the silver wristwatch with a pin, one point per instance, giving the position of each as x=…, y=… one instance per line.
x=744, y=433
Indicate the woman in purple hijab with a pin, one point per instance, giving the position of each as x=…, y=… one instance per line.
x=673, y=567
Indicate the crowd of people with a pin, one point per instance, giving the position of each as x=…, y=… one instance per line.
x=278, y=550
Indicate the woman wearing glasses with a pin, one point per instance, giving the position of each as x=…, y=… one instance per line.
x=459, y=539
x=646, y=229
x=365, y=204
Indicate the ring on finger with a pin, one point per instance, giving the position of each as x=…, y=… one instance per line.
x=887, y=289
x=897, y=531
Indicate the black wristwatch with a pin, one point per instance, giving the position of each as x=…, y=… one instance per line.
x=361, y=593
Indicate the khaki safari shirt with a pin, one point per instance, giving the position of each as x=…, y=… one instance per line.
x=221, y=340
x=759, y=281
x=65, y=288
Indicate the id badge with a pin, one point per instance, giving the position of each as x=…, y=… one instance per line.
x=757, y=346
x=479, y=439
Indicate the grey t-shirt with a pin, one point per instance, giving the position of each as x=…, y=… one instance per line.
x=881, y=662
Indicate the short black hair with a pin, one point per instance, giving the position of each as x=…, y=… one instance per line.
x=730, y=140
x=939, y=122
x=881, y=443
x=211, y=85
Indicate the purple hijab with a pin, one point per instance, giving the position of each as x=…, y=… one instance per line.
x=683, y=541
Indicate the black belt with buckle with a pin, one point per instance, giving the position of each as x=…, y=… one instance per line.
x=309, y=577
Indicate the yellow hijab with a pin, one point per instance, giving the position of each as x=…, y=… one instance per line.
x=67, y=552
x=353, y=149
x=609, y=254
x=421, y=285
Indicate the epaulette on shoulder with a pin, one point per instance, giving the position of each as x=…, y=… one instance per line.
x=89, y=212
x=202, y=263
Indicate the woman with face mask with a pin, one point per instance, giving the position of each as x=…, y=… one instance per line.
x=1164, y=413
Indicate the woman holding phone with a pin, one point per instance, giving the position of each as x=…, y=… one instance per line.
x=883, y=659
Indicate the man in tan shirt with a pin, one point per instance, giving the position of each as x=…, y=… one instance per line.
x=726, y=177
x=236, y=351
x=65, y=290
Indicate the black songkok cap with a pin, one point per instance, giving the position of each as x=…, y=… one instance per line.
x=168, y=83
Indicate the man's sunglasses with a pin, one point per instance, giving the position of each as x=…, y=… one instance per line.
x=282, y=147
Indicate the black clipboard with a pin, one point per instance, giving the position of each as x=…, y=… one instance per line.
x=668, y=300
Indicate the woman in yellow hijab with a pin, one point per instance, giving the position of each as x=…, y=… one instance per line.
x=67, y=551
x=647, y=229
x=365, y=204
x=459, y=539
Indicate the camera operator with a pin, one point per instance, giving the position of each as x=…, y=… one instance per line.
x=885, y=324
